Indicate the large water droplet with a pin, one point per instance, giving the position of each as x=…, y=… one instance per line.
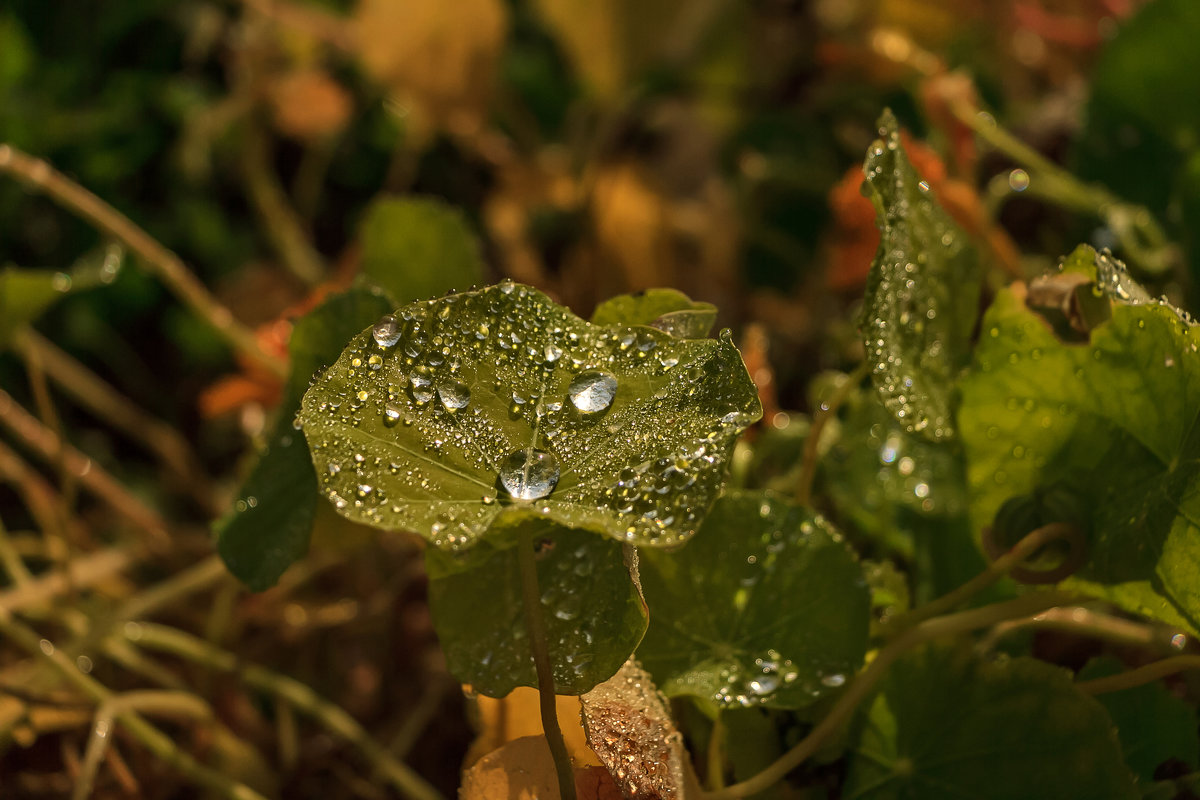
x=529, y=474
x=387, y=331
x=592, y=392
x=453, y=394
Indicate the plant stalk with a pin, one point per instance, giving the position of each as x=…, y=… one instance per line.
x=1142, y=675
x=536, y=629
x=860, y=688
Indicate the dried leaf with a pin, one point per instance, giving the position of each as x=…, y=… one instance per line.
x=629, y=728
x=524, y=770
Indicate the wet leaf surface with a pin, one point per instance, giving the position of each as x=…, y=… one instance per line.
x=630, y=728
x=766, y=606
x=922, y=293
x=1111, y=422
x=946, y=725
x=452, y=412
x=272, y=519
x=593, y=614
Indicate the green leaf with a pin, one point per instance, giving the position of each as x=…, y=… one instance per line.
x=499, y=399
x=922, y=293
x=1111, y=421
x=593, y=614
x=668, y=310
x=875, y=465
x=946, y=725
x=766, y=606
x=26, y=293
x=418, y=247
x=1152, y=724
x=270, y=524
x=1142, y=116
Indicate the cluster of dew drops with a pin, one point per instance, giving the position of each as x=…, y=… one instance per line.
x=914, y=309
x=430, y=344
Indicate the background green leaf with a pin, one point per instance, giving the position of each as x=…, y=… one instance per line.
x=922, y=293
x=417, y=248
x=26, y=293
x=946, y=725
x=414, y=435
x=766, y=606
x=1152, y=724
x=593, y=613
x=668, y=310
x=270, y=524
x=1114, y=423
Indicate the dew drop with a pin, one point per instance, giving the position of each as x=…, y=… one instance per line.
x=453, y=394
x=529, y=474
x=592, y=392
x=386, y=331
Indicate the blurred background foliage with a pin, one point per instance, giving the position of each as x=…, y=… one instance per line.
x=594, y=147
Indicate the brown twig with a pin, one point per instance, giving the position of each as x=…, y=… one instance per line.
x=157, y=258
x=99, y=397
x=94, y=478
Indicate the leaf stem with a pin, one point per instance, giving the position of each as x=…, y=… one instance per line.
x=861, y=686
x=157, y=258
x=1144, y=674
x=715, y=773
x=828, y=410
x=994, y=572
x=535, y=627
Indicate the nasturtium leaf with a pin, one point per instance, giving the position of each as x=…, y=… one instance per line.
x=876, y=463
x=418, y=247
x=269, y=526
x=765, y=606
x=26, y=293
x=922, y=292
x=668, y=310
x=1152, y=724
x=453, y=411
x=946, y=725
x=1112, y=422
x=593, y=614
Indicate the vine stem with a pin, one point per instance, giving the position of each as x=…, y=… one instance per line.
x=996, y=570
x=151, y=737
x=299, y=696
x=158, y=259
x=536, y=629
x=812, y=442
x=861, y=686
x=1144, y=674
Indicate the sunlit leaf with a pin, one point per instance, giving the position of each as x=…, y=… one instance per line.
x=946, y=726
x=269, y=526
x=629, y=727
x=766, y=606
x=668, y=310
x=922, y=292
x=417, y=248
x=452, y=411
x=1152, y=724
x=593, y=614
x=1112, y=421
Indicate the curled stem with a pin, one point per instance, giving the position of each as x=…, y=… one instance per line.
x=994, y=572
x=1142, y=675
x=536, y=629
x=157, y=258
x=861, y=686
